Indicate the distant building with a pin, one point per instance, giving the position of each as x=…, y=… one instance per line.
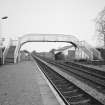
x=24, y=56
x=59, y=56
x=46, y=55
x=71, y=55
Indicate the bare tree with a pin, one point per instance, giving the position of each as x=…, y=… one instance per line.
x=100, y=27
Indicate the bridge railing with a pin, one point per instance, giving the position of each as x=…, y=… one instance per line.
x=48, y=37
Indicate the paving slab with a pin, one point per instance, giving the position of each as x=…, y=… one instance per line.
x=22, y=84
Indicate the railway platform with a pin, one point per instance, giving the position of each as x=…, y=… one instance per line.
x=23, y=84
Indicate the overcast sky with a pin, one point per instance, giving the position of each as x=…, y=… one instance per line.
x=72, y=17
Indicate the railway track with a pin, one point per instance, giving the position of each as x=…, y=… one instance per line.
x=93, y=77
x=70, y=93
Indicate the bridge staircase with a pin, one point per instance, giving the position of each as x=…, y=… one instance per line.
x=87, y=52
x=92, y=53
x=8, y=55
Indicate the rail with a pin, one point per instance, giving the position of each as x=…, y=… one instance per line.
x=70, y=93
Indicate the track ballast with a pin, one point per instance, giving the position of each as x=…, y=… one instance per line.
x=70, y=93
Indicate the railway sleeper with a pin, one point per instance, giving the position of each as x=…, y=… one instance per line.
x=63, y=85
x=71, y=91
x=82, y=102
x=60, y=81
x=66, y=89
x=73, y=96
x=78, y=99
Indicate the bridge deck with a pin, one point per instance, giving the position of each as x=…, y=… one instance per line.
x=23, y=84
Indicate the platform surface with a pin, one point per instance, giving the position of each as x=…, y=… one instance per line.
x=23, y=84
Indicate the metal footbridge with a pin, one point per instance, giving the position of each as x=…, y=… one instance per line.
x=11, y=53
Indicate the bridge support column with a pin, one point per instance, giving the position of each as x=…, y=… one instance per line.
x=1, y=61
x=17, y=59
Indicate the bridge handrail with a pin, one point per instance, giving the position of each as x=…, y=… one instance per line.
x=48, y=37
x=95, y=52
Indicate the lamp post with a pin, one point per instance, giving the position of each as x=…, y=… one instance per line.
x=3, y=18
x=1, y=41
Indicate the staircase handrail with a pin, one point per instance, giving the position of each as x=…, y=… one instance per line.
x=6, y=50
x=80, y=45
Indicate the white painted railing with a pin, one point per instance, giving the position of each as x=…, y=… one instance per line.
x=93, y=50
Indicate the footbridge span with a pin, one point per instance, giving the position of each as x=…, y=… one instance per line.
x=54, y=38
